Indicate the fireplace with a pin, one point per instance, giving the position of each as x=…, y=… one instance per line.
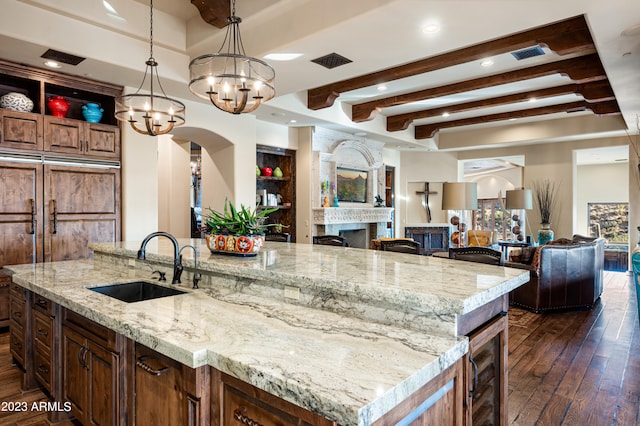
x=357, y=225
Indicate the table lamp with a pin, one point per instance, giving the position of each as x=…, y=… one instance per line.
x=459, y=197
x=519, y=199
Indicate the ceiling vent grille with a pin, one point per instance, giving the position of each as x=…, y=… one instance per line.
x=332, y=60
x=65, y=58
x=528, y=53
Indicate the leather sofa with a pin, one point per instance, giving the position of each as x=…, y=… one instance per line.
x=567, y=274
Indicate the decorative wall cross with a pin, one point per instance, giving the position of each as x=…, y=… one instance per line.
x=425, y=199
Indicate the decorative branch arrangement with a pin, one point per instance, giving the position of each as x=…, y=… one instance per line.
x=545, y=191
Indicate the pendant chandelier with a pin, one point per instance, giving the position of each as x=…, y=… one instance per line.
x=231, y=80
x=150, y=113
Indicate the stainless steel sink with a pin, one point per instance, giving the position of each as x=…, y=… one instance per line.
x=136, y=291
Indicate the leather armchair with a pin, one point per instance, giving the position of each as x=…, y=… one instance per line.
x=566, y=277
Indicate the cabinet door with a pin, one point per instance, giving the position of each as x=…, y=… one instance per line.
x=103, y=385
x=487, y=372
x=63, y=135
x=20, y=130
x=158, y=378
x=20, y=213
x=102, y=140
x=5, y=281
x=82, y=206
x=74, y=372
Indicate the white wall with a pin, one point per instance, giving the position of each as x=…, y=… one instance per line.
x=599, y=183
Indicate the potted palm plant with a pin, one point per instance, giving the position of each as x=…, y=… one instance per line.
x=238, y=231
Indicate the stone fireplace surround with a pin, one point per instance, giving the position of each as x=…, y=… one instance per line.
x=334, y=149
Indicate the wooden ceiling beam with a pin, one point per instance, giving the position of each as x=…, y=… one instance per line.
x=581, y=69
x=592, y=92
x=214, y=12
x=570, y=36
x=599, y=108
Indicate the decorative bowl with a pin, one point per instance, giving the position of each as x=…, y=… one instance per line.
x=16, y=102
x=238, y=245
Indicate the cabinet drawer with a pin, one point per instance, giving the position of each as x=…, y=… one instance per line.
x=17, y=292
x=18, y=348
x=42, y=329
x=42, y=304
x=42, y=367
x=87, y=328
x=17, y=312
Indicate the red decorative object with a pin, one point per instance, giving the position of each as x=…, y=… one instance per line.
x=58, y=106
x=266, y=171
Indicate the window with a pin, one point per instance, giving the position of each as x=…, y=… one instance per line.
x=491, y=217
x=609, y=221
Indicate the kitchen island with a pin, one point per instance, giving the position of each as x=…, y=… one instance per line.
x=347, y=334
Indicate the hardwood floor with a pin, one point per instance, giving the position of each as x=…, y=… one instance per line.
x=577, y=368
x=567, y=368
x=11, y=396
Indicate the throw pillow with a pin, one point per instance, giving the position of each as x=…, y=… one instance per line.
x=535, y=262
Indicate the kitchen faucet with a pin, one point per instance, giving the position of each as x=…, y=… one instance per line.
x=177, y=265
x=197, y=276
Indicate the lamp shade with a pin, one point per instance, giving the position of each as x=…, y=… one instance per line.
x=459, y=196
x=519, y=199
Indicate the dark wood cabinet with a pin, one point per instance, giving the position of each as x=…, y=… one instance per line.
x=284, y=186
x=51, y=212
x=93, y=371
x=20, y=130
x=431, y=238
x=75, y=137
x=389, y=197
x=439, y=402
x=18, y=323
x=616, y=260
x=239, y=403
x=168, y=392
x=52, y=209
x=5, y=284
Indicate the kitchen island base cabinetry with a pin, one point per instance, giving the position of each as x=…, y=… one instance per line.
x=93, y=371
x=168, y=392
x=239, y=403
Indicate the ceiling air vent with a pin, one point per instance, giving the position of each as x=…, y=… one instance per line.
x=332, y=60
x=528, y=53
x=65, y=58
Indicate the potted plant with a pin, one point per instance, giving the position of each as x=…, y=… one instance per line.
x=237, y=231
x=545, y=191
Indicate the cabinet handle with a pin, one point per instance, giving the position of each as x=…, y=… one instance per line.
x=86, y=144
x=32, y=204
x=17, y=314
x=17, y=345
x=238, y=415
x=54, y=211
x=42, y=332
x=42, y=302
x=149, y=369
x=475, y=376
x=43, y=370
x=82, y=357
x=3, y=285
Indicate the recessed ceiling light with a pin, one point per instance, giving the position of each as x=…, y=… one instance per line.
x=532, y=100
x=293, y=121
x=382, y=87
x=360, y=134
x=445, y=114
x=431, y=28
x=486, y=63
x=52, y=64
x=282, y=56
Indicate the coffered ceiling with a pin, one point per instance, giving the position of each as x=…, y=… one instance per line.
x=460, y=87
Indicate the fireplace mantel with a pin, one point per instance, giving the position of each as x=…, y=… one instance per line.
x=341, y=215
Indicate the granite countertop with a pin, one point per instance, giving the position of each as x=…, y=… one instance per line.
x=347, y=348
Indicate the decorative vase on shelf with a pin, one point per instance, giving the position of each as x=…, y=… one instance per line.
x=545, y=234
x=92, y=112
x=15, y=101
x=58, y=106
x=335, y=202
